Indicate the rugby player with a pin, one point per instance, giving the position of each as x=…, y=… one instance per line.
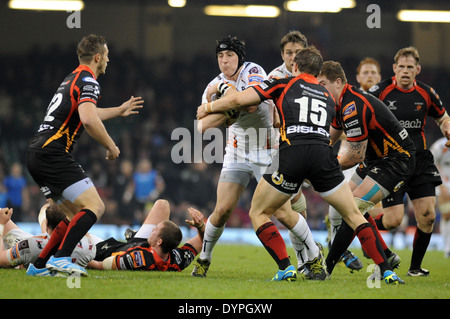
x=377, y=142
x=50, y=162
x=412, y=101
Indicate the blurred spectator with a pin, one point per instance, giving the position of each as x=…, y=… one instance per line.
x=17, y=192
x=147, y=184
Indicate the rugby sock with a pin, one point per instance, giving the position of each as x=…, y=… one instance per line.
x=379, y=222
x=342, y=240
x=271, y=239
x=302, y=239
x=370, y=219
x=52, y=245
x=371, y=245
x=77, y=229
x=210, y=238
x=335, y=222
x=420, y=245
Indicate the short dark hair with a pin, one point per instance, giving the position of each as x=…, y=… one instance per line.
x=171, y=236
x=332, y=71
x=293, y=37
x=89, y=46
x=309, y=60
x=54, y=215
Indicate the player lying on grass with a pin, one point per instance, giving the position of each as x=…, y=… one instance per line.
x=21, y=249
x=154, y=246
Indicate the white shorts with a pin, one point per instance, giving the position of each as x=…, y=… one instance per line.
x=253, y=163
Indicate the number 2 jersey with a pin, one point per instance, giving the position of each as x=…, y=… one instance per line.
x=62, y=126
x=306, y=109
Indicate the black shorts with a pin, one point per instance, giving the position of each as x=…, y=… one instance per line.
x=112, y=246
x=316, y=162
x=53, y=171
x=390, y=172
x=422, y=183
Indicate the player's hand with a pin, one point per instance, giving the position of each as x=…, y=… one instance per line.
x=131, y=106
x=112, y=154
x=201, y=111
x=447, y=143
x=197, y=218
x=5, y=215
x=210, y=91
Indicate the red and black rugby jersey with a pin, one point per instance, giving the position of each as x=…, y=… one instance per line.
x=410, y=107
x=143, y=257
x=61, y=126
x=305, y=107
x=364, y=117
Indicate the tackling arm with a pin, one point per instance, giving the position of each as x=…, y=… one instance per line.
x=356, y=151
x=127, y=108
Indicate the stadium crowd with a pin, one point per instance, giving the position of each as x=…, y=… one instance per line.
x=29, y=80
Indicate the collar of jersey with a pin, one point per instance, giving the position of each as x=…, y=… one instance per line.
x=308, y=78
x=83, y=67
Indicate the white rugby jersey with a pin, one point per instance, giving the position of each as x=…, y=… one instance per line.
x=280, y=72
x=251, y=131
x=27, y=250
x=441, y=155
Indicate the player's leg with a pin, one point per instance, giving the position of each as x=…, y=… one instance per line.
x=342, y=199
x=160, y=211
x=84, y=198
x=266, y=200
x=228, y=194
x=425, y=216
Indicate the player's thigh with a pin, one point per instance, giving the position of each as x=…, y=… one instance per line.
x=369, y=190
x=341, y=198
x=90, y=199
x=266, y=200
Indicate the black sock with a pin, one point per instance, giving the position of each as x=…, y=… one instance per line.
x=341, y=241
x=420, y=245
x=77, y=229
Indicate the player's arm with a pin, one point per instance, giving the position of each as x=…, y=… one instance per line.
x=95, y=128
x=199, y=223
x=335, y=134
x=5, y=216
x=444, y=125
x=127, y=108
x=356, y=151
x=248, y=97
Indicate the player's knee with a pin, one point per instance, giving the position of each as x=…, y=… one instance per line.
x=392, y=222
x=162, y=203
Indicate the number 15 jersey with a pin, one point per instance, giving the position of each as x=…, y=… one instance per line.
x=62, y=126
x=306, y=109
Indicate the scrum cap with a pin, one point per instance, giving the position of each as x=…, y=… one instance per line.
x=232, y=44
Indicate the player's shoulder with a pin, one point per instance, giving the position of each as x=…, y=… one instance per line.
x=253, y=68
x=277, y=73
x=381, y=86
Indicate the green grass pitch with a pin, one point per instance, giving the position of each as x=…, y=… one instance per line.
x=238, y=272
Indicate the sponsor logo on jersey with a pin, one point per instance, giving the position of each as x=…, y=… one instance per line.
x=411, y=124
x=349, y=110
x=90, y=79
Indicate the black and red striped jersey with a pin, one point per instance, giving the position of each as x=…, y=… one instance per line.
x=144, y=257
x=61, y=126
x=306, y=109
x=410, y=107
x=364, y=117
